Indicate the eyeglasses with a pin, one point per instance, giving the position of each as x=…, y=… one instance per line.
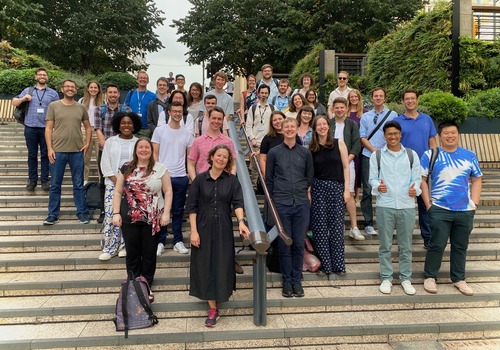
x=69, y=87
x=342, y=78
x=42, y=75
x=391, y=134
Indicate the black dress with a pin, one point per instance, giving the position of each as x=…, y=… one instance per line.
x=212, y=275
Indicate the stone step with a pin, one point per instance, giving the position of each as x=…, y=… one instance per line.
x=318, y=298
x=67, y=240
x=238, y=331
x=88, y=259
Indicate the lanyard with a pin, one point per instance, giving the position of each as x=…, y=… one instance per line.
x=38, y=96
x=262, y=113
x=139, y=101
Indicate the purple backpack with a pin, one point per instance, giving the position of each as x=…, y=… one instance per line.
x=133, y=308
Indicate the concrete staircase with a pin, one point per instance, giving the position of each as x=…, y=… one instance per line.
x=57, y=294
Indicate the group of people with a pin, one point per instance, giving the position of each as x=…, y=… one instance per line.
x=314, y=161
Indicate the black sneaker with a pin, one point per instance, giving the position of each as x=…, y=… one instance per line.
x=45, y=185
x=298, y=291
x=31, y=186
x=287, y=291
x=213, y=316
x=51, y=220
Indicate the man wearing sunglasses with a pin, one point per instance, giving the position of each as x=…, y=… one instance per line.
x=342, y=90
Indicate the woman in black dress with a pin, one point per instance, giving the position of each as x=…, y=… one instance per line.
x=212, y=274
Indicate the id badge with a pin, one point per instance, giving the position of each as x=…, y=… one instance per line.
x=261, y=127
x=39, y=110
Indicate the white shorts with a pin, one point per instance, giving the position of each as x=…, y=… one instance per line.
x=352, y=176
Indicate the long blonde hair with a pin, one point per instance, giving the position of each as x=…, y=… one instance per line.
x=359, y=109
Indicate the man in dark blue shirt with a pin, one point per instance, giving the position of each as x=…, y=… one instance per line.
x=289, y=174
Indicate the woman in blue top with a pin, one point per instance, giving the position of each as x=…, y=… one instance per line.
x=305, y=118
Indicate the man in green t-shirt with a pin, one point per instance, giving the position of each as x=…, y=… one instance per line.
x=65, y=146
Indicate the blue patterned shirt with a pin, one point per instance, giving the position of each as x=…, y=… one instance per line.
x=450, y=178
x=41, y=98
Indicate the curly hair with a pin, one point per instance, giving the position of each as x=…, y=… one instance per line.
x=118, y=116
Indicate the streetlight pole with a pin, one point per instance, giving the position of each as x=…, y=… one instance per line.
x=455, y=51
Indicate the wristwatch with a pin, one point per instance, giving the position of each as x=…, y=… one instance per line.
x=242, y=220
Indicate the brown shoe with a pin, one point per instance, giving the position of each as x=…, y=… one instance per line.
x=464, y=288
x=238, y=268
x=430, y=285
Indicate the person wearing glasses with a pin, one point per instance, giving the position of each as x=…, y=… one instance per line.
x=65, y=145
x=342, y=90
x=34, y=127
x=372, y=139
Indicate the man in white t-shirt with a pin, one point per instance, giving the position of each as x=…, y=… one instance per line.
x=171, y=144
x=342, y=90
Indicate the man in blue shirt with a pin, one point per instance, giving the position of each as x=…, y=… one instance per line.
x=372, y=139
x=281, y=100
x=451, y=201
x=419, y=134
x=34, y=127
x=395, y=180
x=138, y=101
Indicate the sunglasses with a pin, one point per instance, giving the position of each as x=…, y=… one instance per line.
x=341, y=78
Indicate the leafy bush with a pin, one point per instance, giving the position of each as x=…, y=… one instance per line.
x=443, y=105
x=12, y=58
x=13, y=81
x=124, y=81
x=396, y=107
x=485, y=104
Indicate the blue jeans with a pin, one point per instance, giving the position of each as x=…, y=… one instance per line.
x=179, y=189
x=76, y=165
x=295, y=220
x=35, y=137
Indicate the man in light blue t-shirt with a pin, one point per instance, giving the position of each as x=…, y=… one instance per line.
x=451, y=204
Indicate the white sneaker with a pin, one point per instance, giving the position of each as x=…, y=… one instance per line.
x=385, y=287
x=180, y=248
x=160, y=250
x=105, y=256
x=354, y=233
x=369, y=230
x=122, y=253
x=408, y=288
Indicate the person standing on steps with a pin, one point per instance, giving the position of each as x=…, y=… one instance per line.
x=395, y=181
x=372, y=138
x=117, y=151
x=139, y=99
x=342, y=90
x=171, y=145
x=419, y=134
x=211, y=196
x=34, y=127
x=289, y=174
x=452, y=199
x=65, y=145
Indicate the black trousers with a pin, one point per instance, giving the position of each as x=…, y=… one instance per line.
x=141, y=250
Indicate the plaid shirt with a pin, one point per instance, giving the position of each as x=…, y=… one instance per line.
x=103, y=120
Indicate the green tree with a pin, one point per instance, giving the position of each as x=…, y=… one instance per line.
x=241, y=35
x=19, y=21
x=99, y=35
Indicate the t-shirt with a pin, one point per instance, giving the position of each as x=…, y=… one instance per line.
x=337, y=93
x=450, y=178
x=173, y=144
x=416, y=132
x=224, y=101
x=67, y=133
x=138, y=101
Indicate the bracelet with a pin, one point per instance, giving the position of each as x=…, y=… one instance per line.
x=116, y=213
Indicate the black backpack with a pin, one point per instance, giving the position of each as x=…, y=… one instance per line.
x=93, y=195
x=21, y=110
x=133, y=308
